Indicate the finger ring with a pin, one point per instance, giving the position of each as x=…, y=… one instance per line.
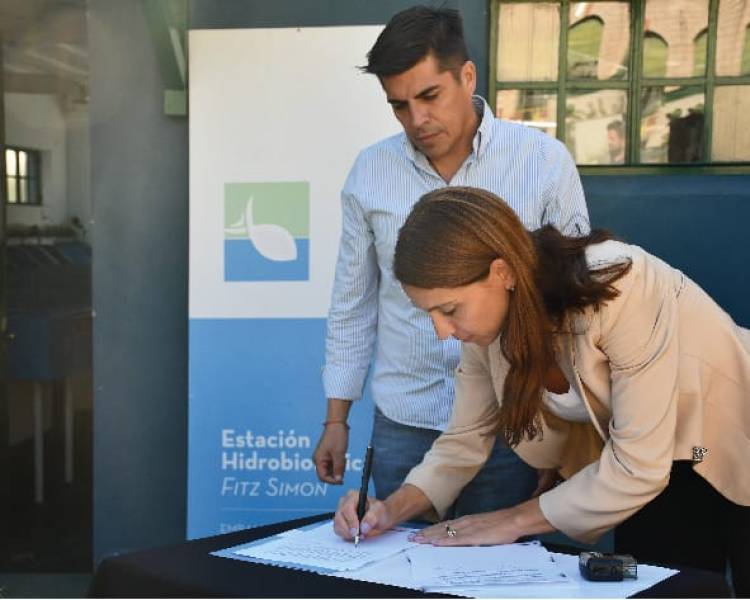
x=451, y=532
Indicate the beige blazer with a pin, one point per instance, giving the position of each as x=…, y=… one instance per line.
x=665, y=375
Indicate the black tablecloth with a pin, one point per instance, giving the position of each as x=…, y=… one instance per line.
x=189, y=571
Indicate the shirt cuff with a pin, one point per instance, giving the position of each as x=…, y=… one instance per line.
x=342, y=382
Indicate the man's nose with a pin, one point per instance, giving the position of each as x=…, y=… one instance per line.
x=443, y=326
x=419, y=116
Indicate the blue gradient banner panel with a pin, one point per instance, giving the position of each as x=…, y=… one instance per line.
x=254, y=423
x=265, y=222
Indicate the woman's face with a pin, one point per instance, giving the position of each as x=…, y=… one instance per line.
x=472, y=313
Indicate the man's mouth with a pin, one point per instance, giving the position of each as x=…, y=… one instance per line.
x=427, y=137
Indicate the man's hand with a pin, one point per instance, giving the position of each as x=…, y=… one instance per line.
x=330, y=453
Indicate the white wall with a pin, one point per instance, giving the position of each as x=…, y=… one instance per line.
x=35, y=121
x=78, y=167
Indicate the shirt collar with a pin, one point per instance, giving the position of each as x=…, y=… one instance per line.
x=481, y=137
x=484, y=131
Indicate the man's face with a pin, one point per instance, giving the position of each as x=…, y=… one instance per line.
x=616, y=143
x=434, y=108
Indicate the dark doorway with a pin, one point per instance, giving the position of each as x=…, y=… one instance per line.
x=46, y=399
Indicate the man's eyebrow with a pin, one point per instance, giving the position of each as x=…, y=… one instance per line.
x=425, y=92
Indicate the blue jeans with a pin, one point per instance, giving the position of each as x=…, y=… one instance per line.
x=505, y=480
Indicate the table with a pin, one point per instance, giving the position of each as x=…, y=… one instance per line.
x=188, y=570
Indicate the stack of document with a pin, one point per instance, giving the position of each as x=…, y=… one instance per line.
x=521, y=570
x=319, y=548
x=442, y=569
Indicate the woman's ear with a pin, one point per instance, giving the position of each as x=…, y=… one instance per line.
x=502, y=274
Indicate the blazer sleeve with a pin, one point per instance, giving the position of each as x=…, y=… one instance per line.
x=638, y=334
x=463, y=448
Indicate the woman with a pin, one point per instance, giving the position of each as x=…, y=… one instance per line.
x=565, y=338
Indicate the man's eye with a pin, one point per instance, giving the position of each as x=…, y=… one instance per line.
x=449, y=312
x=430, y=98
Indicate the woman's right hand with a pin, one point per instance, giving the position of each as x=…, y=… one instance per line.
x=376, y=519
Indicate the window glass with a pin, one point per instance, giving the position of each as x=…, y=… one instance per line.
x=34, y=191
x=22, y=160
x=655, y=52
x=700, y=49
x=591, y=117
x=733, y=38
x=534, y=108
x=598, y=40
x=10, y=163
x=672, y=124
x=11, y=187
x=678, y=23
x=619, y=110
x=731, y=123
x=528, y=42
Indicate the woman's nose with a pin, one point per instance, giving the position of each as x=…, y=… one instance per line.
x=443, y=326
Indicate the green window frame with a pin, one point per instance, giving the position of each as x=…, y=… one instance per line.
x=633, y=86
x=23, y=176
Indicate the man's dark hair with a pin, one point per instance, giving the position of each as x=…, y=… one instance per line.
x=412, y=35
x=617, y=126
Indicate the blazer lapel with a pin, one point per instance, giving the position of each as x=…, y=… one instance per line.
x=567, y=355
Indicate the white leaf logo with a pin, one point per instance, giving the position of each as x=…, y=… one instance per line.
x=272, y=241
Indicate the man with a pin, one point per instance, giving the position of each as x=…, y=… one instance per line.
x=616, y=142
x=450, y=137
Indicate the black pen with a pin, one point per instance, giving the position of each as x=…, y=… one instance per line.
x=362, y=503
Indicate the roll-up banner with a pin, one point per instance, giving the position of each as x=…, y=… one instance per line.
x=277, y=117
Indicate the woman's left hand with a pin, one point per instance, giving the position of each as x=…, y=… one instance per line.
x=488, y=529
x=483, y=529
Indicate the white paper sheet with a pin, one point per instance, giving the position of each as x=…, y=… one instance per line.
x=435, y=567
x=321, y=548
x=576, y=586
x=396, y=571
x=383, y=560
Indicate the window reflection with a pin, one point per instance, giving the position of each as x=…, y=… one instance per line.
x=534, y=108
x=595, y=126
x=700, y=52
x=655, y=52
x=598, y=40
x=672, y=124
x=733, y=38
x=678, y=24
x=10, y=162
x=731, y=123
x=22, y=163
x=528, y=40
x=11, y=188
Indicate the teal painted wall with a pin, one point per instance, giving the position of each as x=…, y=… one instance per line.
x=696, y=222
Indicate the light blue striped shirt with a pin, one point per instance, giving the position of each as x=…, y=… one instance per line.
x=412, y=380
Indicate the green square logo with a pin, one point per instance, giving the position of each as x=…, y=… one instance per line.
x=267, y=231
